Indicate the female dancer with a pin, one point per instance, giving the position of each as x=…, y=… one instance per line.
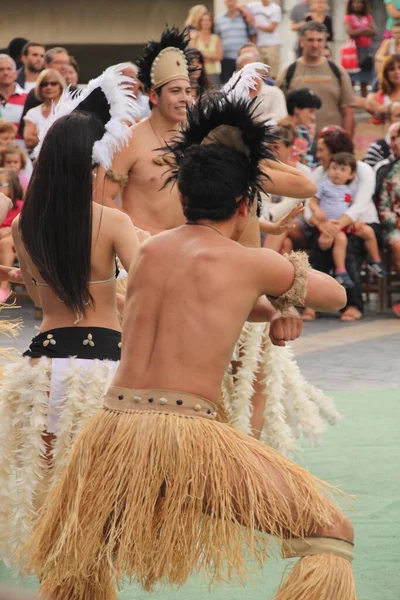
x=67, y=247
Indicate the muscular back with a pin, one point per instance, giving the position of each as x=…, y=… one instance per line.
x=187, y=302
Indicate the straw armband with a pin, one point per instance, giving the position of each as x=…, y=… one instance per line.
x=296, y=295
x=122, y=180
x=310, y=546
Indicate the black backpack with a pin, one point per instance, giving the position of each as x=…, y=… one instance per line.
x=291, y=69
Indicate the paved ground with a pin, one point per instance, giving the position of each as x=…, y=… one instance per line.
x=360, y=364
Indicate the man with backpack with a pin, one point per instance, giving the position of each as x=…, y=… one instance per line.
x=325, y=78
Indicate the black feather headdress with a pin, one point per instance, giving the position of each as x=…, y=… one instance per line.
x=219, y=120
x=170, y=38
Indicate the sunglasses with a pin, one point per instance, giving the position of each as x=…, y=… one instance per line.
x=47, y=83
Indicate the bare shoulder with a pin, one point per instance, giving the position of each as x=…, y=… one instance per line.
x=15, y=229
x=111, y=216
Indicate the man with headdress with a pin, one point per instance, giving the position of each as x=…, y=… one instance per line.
x=137, y=171
x=156, y=488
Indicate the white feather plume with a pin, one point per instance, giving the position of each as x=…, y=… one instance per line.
x=123, y=112
x=241, y=82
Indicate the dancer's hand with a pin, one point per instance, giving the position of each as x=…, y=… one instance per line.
x=15, y=276
x=285, y=328
x=285, y=222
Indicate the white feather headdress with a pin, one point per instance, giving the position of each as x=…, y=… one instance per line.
x=122, y=107
x=239, y=85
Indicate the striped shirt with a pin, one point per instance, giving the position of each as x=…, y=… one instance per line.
x=234, y=33
x=11, y=109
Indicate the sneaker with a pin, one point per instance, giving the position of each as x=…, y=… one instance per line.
x=345, y=280
x=376, y=268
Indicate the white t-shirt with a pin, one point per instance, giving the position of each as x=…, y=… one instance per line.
x=29, y=85
x=265, y=15
x=271, y=103
x=35, y=116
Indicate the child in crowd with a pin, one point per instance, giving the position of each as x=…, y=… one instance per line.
x=10, y=186
x=8, y=131
x=334, y=196
x=14, y=157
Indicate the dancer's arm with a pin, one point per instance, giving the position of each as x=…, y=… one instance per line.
x=285, y=180
x=31, y=288
x=126, y=241
x=276, y=276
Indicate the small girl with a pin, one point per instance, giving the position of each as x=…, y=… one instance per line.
x=11, y=187
x=14, y=157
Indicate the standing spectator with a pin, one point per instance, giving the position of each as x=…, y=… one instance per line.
x=32, y=65
x=271, y=102
x=318, y=14
x=12, y=96
x=193, y=18
x=267, y=18
x=56, y=58
x=325, y=78
x=360, y=27
x=302, y=105
x=49, y=87
x=210, y=46
x=388, y=47
x=389, y=90
x=15, y=50
x=380, y=149
x=234, y=28
x=393, y=13
x=72, y=73
x=298, y=20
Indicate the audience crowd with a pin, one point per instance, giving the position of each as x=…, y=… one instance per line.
x=351, y=228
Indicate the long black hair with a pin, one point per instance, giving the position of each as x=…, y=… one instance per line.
x=203, y=81
x=56, y=219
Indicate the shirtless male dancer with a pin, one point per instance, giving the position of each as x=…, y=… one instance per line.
x=156, y=488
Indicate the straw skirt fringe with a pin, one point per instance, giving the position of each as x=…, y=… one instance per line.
x=25, y=474
x=293, y=407
x=158, y=497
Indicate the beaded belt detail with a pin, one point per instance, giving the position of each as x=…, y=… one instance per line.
x=166, y=401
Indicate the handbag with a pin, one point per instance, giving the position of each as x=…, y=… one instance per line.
x=349, y=57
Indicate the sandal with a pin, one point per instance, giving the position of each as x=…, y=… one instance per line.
x=351, y=314
x=309, y=315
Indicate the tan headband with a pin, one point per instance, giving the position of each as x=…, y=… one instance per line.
x=170, y=64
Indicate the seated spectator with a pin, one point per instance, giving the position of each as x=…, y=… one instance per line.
x=360, y=27
x=276, y=207
x=302, y=105
x=193, y=18
x=318, y=14
x=210, y=45
x=49, y=87
x=389, y=90
x=380, y=149
x=8, y=131
x=72, y=73
x=11, y=187
x=388, y=47
x=199, y=81
x=331, y=141
x=12, y=96
x=33, y=61
x=271, y=100
x=389, y=211
x=334, y=196
x=14, y=157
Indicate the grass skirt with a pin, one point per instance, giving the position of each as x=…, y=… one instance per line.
x=157, y=497
x=25, y=472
